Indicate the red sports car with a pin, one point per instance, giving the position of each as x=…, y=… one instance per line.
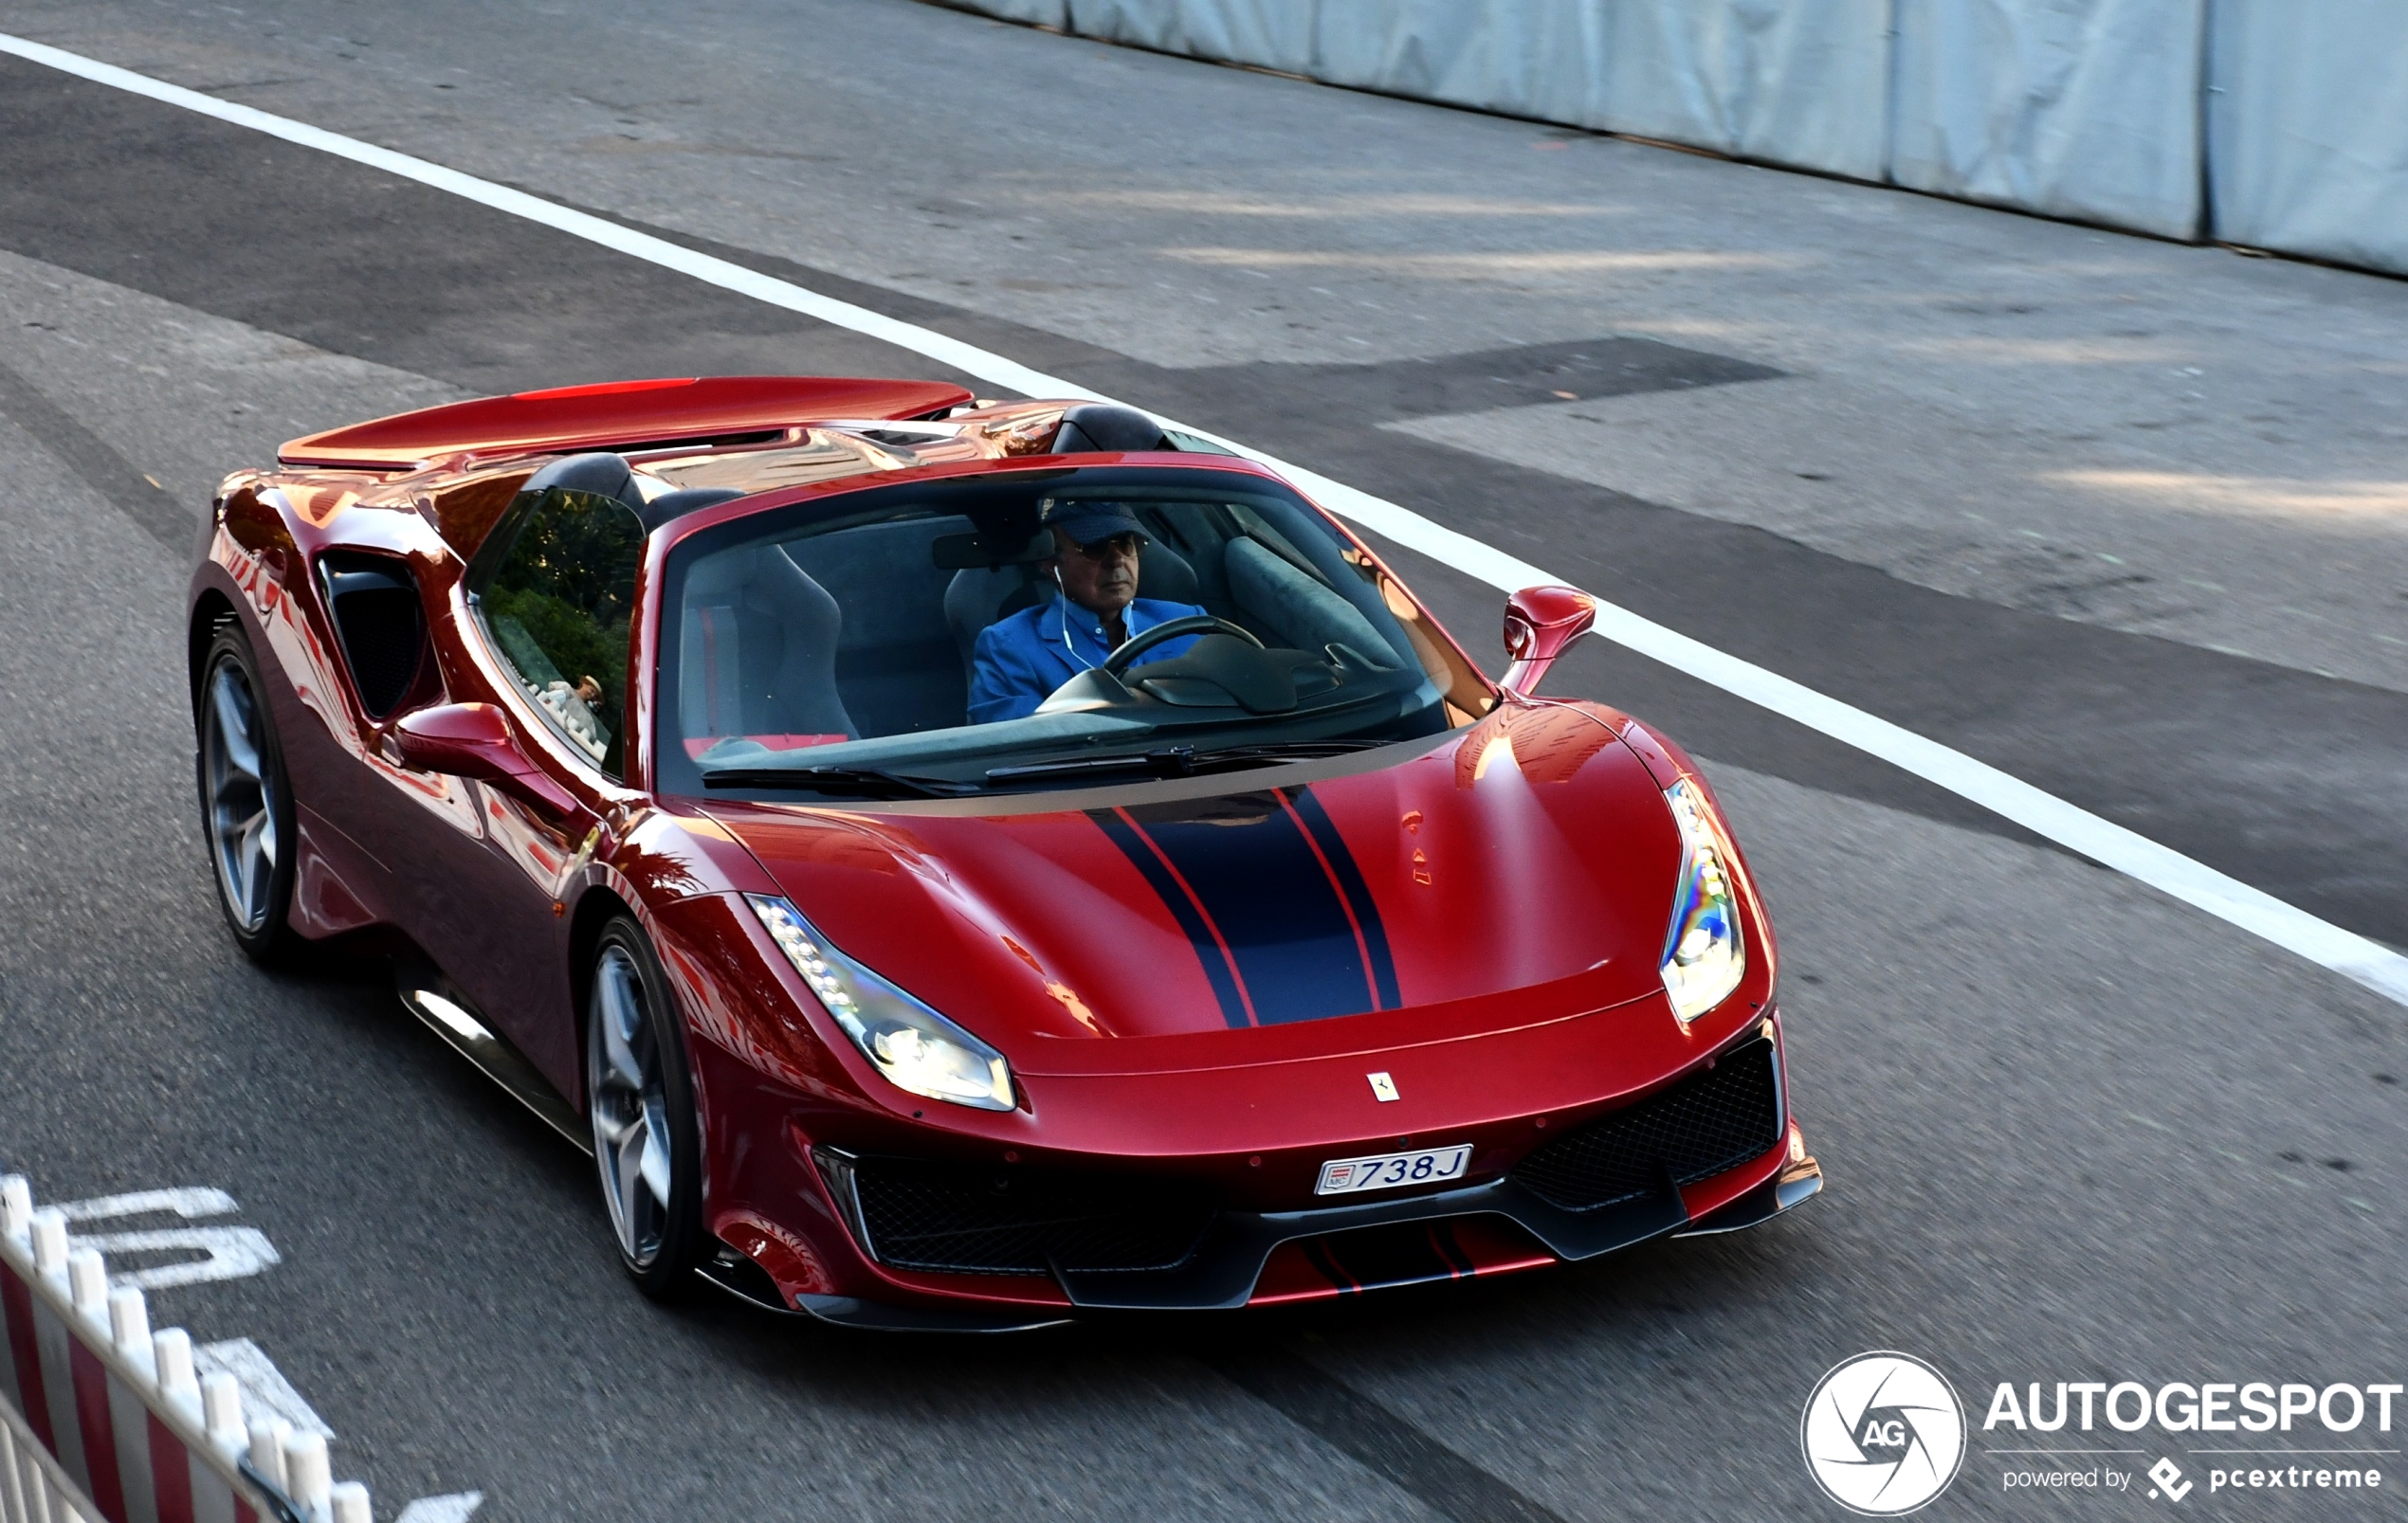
x=961, y=864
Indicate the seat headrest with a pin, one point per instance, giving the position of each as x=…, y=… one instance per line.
x=978, y=552
x=689, y=499
x=1101, y=426
x=601, y=473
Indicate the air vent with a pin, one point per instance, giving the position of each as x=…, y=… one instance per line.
x=1707, y=1123
x=377, y=615
x=969, y=1220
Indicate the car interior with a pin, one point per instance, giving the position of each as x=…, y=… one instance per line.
x=869, y=629
x=806, y=629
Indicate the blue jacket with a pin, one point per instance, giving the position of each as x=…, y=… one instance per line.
x=1018, y=661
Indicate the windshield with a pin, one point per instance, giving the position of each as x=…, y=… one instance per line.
x=1035, y=629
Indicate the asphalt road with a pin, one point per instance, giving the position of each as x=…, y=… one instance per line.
x=2074, y=1131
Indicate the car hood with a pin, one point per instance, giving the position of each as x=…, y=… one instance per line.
x=1530, y=852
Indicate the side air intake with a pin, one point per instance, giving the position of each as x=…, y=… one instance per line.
x=377, y=616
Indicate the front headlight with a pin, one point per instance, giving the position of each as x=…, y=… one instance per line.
x=1703, y=959
x=914, y=1046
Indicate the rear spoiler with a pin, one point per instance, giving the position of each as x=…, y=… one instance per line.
x=678, y=411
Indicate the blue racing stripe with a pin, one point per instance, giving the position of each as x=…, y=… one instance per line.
x=1350, y=882
x=1175, y=899
x=1255, y=873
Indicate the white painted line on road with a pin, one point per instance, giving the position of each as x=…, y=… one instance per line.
x=264, y=1388
x=187, y=1201
x=454, y=1508
x=232, y=1253
x=2194, y=882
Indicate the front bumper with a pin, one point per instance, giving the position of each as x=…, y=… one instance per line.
x=965, y=1249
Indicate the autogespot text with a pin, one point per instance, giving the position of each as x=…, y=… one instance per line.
x=2225, y=1406
x=2236, y=1408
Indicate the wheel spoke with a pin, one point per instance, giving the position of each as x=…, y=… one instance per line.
x=655, y=1164
x=243, y=833
x=622, y=1028
x=234, y=724
x=245, y=879
x=628, y=1159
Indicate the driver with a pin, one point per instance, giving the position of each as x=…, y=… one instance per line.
x=1020, y=660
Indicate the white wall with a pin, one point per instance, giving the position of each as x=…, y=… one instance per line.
x=1276, y=34
x=2077, y=108
x=2308, y=127
x=1792, y=82
x=2099, y=110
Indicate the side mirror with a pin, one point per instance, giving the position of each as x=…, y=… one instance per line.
x=1540, y=623
x=474, y=740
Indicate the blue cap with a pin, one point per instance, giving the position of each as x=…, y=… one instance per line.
x=1089, y=521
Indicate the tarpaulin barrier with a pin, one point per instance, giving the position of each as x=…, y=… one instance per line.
x=2077, y=108
x=1792, y=82
x=2097, y=110
x=2308, y=127
x=1272, y=34
x=1054, y=13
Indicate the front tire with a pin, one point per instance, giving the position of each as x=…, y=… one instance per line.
x=246, y=800
x=640, y=1099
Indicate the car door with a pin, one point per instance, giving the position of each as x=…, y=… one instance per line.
x=545, y=608
x=372, y=609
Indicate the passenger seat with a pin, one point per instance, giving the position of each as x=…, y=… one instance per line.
x=756, y=655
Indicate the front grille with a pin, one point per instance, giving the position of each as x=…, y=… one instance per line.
x=970, y=1221
x=1705, y=1124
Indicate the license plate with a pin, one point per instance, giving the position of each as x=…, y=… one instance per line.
x=1392, y=1170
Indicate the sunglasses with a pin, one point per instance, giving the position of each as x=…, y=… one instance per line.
x=1125, y=546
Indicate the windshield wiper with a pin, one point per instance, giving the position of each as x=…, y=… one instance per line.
x=868, y=782
x=1179, y=761
x=1284, y=750
x=1170, y=761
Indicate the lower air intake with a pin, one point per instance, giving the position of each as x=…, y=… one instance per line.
x=967, y=1221
x=1705, y=1124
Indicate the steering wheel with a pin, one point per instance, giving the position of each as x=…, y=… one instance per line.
x=1194, y=624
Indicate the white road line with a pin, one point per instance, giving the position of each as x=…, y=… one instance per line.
x=266, y=1391
x=2196, y=884
x=231, y=1253
x=187, y=1201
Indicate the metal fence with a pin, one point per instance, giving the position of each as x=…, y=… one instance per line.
x=2280, y=124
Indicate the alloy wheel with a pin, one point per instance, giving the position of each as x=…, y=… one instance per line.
x=627, y=1097
x=238, y=775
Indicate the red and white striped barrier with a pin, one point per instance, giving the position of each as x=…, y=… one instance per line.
x=108, y=1424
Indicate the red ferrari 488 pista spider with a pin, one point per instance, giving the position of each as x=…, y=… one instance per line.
x=959, y=863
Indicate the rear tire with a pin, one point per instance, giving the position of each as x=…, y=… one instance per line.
x=246, y=800
x=640, y=1100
